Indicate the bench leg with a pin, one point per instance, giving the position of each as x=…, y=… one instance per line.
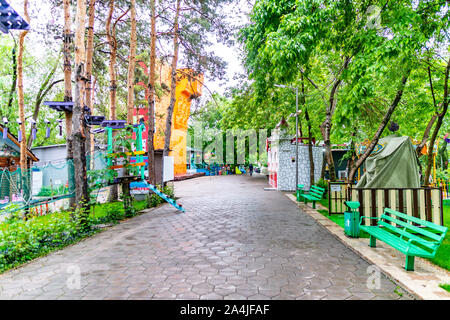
x=373, y=242
x=314, y=204
x=409, y=264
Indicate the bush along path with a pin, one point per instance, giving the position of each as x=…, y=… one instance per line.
x=24, y=240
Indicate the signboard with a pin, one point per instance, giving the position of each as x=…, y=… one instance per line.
x=335, y=188
x=168, y=169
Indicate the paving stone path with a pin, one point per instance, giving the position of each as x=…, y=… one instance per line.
x=236, y=241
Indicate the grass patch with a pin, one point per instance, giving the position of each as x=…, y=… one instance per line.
x=396, y=290
x=442, y=257
x=445, y=287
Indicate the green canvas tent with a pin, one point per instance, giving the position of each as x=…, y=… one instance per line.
x=393, y=164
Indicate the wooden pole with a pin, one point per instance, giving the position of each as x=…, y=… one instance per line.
x=67, y=40
x=89, y=58
x=20, y=98
x=173, y=86
x=151, y=98
x=132, y=63
x=81, y=194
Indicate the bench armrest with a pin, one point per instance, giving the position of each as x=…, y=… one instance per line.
x=364, y=217
x=410, y=241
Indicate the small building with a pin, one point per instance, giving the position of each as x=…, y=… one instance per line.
x=10, y=184
x=281, y=149
x=51, y=170
x=340, y=165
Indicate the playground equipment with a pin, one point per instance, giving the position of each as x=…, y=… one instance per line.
x=118, y=157
x=139, y=163
x=53, y=182
x=189, y=86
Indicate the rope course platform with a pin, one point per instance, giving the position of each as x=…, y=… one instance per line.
x=63, y=106
x=10, y=19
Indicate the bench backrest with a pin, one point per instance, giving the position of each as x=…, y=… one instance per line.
x=317, y=191
x=429, y=235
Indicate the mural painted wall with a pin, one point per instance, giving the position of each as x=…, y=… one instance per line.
x=189, y=86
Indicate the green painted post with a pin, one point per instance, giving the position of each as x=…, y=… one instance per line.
x=109, y=150
x=409, y=264
x=373, y=242
x=139, y=147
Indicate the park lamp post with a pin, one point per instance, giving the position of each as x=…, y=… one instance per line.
x=296, y=129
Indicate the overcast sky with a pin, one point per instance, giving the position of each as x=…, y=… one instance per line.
x=237, y=16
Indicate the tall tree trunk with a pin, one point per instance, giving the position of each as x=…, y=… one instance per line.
x=67, y=41
x=440, y=119
x=112, y=62
x=89, y=58
x=131, y=63
x=79, y=151
x=383, y=125
x=14, y=79
x=426, y=135
x=151, y=97
x=325, y=128
x=20, y=98
x=127, y=203
x=173, y=86
x=310, y=151
x=352, y=150
x=308, y=123
x=114, y=190
x=90, y=53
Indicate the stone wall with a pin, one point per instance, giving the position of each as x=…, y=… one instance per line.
x=286, y=165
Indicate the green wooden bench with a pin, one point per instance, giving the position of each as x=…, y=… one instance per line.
x=411, y=236
x=299, y=191
x=315, y=194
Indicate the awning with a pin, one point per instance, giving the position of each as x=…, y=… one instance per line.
x=10, y=19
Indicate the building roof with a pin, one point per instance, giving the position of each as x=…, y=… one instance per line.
x=282, y=123
x=10, y=19
x=16, y=142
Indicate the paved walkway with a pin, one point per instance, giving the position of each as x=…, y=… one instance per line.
x=236, y=241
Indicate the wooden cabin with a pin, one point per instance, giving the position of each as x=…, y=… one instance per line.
x=10, y=153
x=10, y=186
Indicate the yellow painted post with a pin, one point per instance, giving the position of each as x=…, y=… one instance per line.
x=434, y=167
x=409, y=208
x=422, y=213
x=380, y=201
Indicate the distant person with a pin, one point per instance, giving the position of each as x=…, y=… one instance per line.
x=250, y=169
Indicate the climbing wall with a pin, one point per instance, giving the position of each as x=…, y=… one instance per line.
x=188, y=87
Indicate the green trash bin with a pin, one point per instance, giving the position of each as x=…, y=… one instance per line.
x=351, y=219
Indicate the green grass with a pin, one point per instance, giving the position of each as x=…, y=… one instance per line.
x=445, y=287
x=22, y=241
x=442, y=257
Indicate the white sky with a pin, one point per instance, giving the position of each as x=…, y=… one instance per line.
x=237, y=16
